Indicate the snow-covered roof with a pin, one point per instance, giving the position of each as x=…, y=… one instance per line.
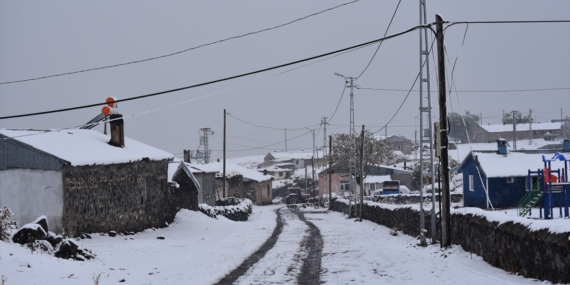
x=500, y=128
x=81, y=147
x=377, y=178
x=282, y=156
x=513, y=164
x=232, y=169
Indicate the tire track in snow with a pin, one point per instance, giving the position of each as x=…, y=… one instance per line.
x=233, y=276
x=313, y=244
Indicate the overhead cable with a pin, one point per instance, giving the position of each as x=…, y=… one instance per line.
x=380, y=43
x=182, y=51
x=217, y=80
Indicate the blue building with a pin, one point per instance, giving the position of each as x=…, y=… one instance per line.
x=499, y=180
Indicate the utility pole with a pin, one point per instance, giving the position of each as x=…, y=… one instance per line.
x=530, y=126
x=426, y=126
x=361, y=174
x=514, y=131
x=352, y=159
x=446, y=216
x=305, y=179
x=224, y=170
x=313, y=182
x=481, y=116
x=324, y=122
x=285, y=139
x=330, y=172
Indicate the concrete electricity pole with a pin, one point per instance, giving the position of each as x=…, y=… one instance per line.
x=352, y=152
x=445, y=212
x=224, y=170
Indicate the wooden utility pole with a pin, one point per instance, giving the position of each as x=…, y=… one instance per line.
x=224, y=174
x=330, y=172
x=361, y=174
x=446, y=216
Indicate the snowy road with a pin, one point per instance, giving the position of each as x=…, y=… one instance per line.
x=201, y=250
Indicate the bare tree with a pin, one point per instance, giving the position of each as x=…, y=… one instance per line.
x=375, y=152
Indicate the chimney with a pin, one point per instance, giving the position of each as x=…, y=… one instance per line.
x=117, y=127
x=187, y=155
x=116, y=124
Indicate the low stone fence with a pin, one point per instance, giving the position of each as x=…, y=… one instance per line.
x=413, y=198
x=510, y=246
x=234, y=209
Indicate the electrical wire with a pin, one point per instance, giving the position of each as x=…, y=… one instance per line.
x=473, y=91
x=261, y=147
x=380, y=43
x=409, y=92
x=182, y=51
x=339, y=100
x=217, y=80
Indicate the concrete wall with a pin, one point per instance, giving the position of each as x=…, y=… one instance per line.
x=32, y=193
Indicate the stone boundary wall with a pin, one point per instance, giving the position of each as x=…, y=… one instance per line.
x=120, y=197
x=510, y=246
x=413, y=198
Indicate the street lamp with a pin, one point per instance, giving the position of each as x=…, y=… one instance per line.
x=352, y=161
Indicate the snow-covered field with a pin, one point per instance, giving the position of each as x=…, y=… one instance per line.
x=201, y=250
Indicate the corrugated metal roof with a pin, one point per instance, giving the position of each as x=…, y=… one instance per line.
x=15, y=154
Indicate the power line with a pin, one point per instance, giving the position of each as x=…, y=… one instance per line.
x=473, y=91
x=410, y=91
x=182, y=51
x=217, y=80
x=339, y=100
x=380, y=43
x=261, y=147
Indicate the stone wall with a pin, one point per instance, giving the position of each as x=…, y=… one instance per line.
x=413, y=198
x=510, y=246
x=121, y=197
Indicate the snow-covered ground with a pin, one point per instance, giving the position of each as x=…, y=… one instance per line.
x=201, y=250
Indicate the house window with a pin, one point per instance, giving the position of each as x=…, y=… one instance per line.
x=345, y=185
x=471, y=186
x=372, y=186
x=510, y=180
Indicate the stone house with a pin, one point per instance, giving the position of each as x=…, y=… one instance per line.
x=279, y=171
x=242, y=182
x=83, y=183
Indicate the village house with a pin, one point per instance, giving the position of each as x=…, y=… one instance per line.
x=399, y=143
x=297, y=159
x=499, y=179
x=490, y=133
x=83, y=183
x=242, y=182
x=340, y=179
x=205, y=175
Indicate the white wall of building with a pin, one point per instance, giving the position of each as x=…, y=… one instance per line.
x=31, y=193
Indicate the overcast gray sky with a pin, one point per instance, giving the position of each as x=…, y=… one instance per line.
x=39, y=38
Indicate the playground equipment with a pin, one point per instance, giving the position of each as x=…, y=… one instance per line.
x=549, y=185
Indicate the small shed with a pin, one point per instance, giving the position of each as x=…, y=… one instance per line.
x=242, y=182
